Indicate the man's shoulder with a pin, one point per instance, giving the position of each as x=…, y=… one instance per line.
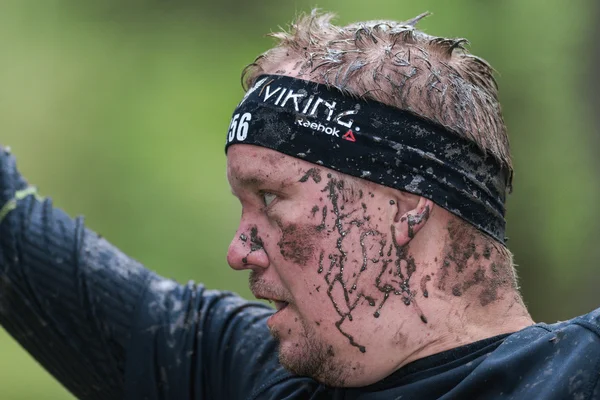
x=558, y=340
x=551, y=359
x=583, y=325
x=589, y=321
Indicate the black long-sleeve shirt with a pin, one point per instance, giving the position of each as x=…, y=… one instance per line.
x=107, y=328
x=66, y=295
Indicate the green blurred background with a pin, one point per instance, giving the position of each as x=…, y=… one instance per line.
x=118, y=111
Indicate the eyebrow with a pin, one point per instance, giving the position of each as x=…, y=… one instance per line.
x=250, y=181
x=257, y=179
x=247, y=181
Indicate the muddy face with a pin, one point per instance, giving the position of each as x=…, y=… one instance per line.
x=323, y=245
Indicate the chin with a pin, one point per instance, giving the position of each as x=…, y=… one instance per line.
x=313, y=360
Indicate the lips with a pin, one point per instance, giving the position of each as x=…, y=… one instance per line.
x=272, y=292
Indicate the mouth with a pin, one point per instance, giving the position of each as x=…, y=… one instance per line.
x=279, y=304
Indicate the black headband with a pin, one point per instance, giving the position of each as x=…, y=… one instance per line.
x=373, y=141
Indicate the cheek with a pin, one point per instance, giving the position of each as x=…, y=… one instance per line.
x=300, y=244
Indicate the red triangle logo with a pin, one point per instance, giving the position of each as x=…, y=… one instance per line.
x=349, y=136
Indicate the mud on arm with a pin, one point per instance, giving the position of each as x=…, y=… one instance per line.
x=66, y=295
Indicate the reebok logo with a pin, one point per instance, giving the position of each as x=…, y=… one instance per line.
x=349, y=136
x=318, y=127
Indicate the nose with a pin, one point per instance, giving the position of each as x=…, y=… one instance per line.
x=246, y=250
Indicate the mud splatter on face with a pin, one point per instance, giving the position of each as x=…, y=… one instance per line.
x=323, y=224
x=334, y=276
x=395, y=276
x=424, y=281
x=256, y=242
x=361, y=268
x=313, y=173
x=314, y=211
x=297, y=243
x=320, y=265
x=345, y=216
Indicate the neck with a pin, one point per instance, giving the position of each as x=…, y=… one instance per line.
x=454, y=322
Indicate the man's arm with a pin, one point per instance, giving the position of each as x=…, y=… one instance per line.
x=66, y=295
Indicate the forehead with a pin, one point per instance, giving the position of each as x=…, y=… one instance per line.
x=249, y=165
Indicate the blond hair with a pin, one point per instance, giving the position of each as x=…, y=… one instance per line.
x=396, y=64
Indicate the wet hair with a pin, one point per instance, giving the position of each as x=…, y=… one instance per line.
x=394, y=63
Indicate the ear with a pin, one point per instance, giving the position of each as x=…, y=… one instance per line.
x=407, y=225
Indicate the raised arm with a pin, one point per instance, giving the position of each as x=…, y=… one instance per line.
x=66, y=295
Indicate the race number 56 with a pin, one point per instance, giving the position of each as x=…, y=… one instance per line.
x=239, y=127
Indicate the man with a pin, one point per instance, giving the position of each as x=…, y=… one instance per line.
x=372, y=165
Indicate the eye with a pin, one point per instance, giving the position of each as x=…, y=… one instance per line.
x=268, y=198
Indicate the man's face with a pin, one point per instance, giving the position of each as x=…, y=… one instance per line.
x=318, y=244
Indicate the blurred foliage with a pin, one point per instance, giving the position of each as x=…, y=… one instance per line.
x=118, y=110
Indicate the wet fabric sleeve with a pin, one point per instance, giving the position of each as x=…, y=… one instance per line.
x=193, y=343
x=66, y=295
